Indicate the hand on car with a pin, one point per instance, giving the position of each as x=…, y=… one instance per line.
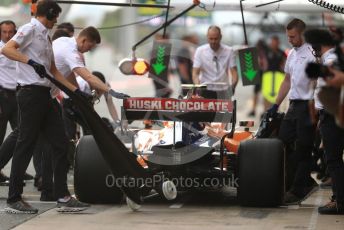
x=88, y=97
x=39, y=68
x=272, y=111
x=118, y=95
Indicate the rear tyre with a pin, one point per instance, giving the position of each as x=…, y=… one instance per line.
x=93, y=180
x=261, y=173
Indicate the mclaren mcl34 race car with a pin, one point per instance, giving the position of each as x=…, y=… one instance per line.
x=195, y=147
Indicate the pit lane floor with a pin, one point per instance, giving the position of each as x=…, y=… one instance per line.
x=199, y=210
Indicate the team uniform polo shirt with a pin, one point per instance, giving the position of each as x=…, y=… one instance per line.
x=33, y=39
x=8, y=75
x=83, y=85
x=328, y=58
x=214, y=65
x=297, y=60
x=67, y=56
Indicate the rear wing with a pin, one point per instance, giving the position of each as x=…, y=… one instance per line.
x=169, y=109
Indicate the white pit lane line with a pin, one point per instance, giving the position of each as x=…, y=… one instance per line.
x=314, y=217
x=176, y=205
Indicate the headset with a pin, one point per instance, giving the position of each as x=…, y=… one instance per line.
x=9, y=22
x=50, y=9
x=51, y=14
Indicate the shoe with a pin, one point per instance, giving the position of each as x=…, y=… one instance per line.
x=47, y=196
x=331, y=208
x=309, y=190
x=293, y=198
x=326, y=183
x=20, y=207
x=72, y=205
x=28, y=177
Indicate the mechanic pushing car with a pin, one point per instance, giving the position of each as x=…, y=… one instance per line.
x=297, y=126
x=37, y=109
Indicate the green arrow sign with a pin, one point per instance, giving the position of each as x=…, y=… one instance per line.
x=248, y=66
x=160, y=59
x=159, y=66
x=249, y=72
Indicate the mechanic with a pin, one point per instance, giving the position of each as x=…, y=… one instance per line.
x=42, y=157
x=66, y=26
x=8, y=101
x=38, y=112
x=332, y=135
x=297, y=128
x=215, y=63
x=69, y=60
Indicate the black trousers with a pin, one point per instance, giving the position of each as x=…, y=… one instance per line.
x=42, y=161
x=7, y=148
x=333, y=139
x=39, y=114
x=298, y=133
x=8, y=111
x=42, y=158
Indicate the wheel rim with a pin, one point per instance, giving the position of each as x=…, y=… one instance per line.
x=169, y=190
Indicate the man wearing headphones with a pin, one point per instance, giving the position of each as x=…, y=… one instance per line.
x=39, y=113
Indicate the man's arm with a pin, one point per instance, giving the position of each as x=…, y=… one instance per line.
x=92, y=80
x=58, y=76
x=111, y=106
x=234, y=74
x=195, y=75
x=284, y=89
x=72, y=79
x=10, y=50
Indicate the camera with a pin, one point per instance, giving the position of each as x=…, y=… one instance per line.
x=315, y=70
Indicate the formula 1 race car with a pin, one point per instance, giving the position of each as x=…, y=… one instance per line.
x=192, y=150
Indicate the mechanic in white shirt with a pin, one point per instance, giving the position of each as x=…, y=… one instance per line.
x=8, y=84
x=332, y=135
x=38, y=111
x=8, y=100
x=297, y=130
x=214, y=65
x=69, y=60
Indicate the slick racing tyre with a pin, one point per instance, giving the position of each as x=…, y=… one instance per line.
x=93, y=181
x=261, y=173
